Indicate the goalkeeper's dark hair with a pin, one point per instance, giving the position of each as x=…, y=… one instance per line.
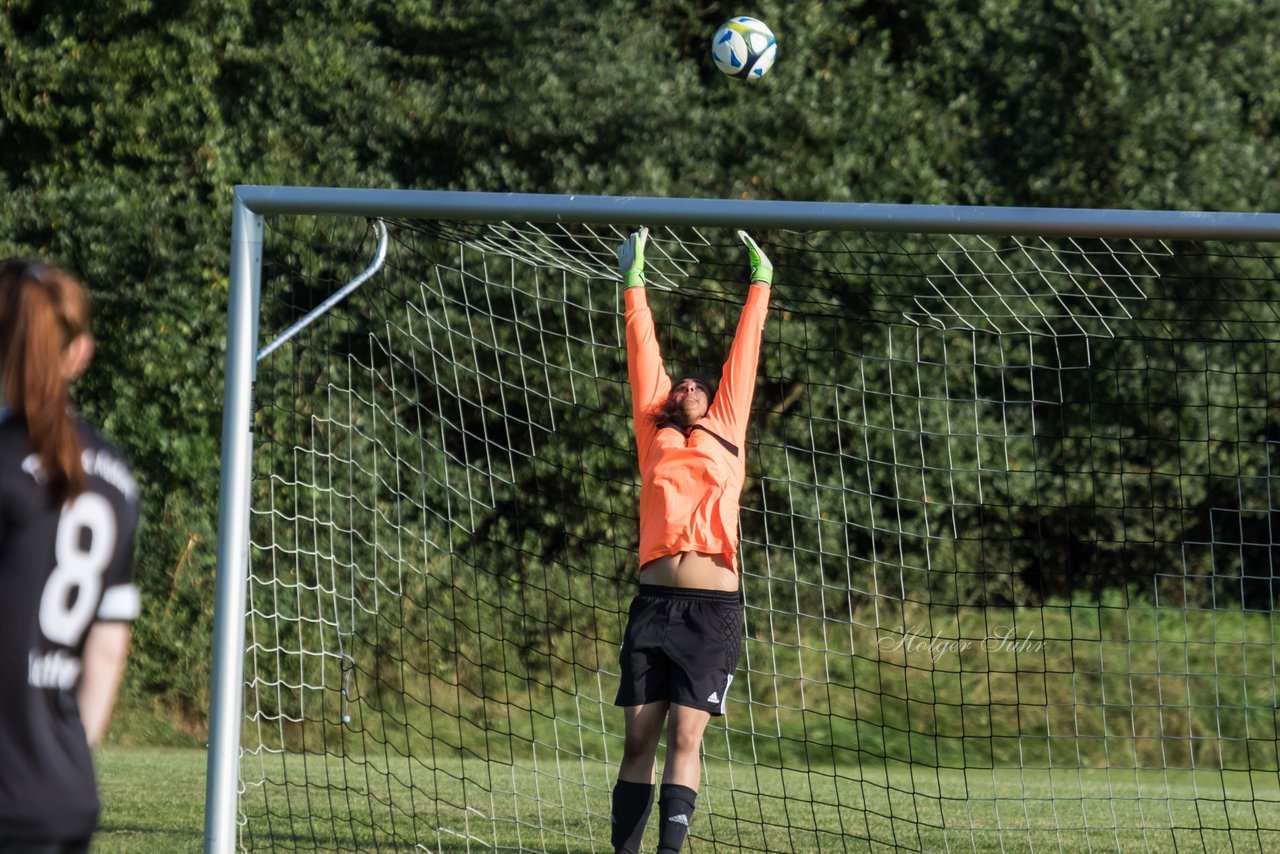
x=43, y=309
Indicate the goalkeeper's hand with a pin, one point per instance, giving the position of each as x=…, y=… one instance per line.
x=631, y=258
x=761, y=268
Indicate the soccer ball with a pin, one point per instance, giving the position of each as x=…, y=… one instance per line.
x=744, y=48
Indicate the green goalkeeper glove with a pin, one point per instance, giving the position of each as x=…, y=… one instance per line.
x=761, y=268
x=631, y=258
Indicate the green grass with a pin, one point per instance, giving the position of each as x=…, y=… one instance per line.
x=153, y=801
x=506, y=761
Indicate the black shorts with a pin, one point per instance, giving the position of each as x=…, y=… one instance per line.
x=681, y=645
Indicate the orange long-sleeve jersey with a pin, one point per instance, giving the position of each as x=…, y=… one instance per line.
x=691, y=481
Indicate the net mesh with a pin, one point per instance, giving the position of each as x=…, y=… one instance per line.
x=1007, y=549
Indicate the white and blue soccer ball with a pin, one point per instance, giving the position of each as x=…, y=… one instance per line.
x=744, y=48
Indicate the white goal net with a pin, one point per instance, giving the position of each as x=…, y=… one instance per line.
x=1009, y=538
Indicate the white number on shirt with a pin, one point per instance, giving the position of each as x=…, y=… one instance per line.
x=82, y=560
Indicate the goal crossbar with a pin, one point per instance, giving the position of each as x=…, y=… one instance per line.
x=758, y=213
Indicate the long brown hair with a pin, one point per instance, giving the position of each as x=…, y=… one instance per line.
x=43, y=309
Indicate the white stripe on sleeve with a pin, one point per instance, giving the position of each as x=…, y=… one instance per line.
x=122, y=602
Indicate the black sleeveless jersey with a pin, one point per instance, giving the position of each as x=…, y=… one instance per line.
x=62, y=568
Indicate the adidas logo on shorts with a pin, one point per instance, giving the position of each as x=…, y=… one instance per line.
x=714, y=698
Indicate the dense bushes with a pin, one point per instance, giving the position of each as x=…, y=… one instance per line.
x=124, y=126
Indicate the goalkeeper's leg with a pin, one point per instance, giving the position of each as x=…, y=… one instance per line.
x=680, y=776
x=633, y=793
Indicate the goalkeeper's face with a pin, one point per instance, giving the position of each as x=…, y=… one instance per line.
x=691, y=399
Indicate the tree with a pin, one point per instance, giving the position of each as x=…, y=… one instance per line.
x=124, y=126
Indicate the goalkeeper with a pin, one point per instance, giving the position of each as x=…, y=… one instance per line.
x=684, y=630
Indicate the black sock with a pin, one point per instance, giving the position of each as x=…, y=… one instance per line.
x=675, y=809
x=631, y=805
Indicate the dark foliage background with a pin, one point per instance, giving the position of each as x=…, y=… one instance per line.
x=124, y=125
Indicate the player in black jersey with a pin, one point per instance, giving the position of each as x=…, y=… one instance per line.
x=68, y=521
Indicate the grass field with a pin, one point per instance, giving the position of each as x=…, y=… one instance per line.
x=153, y=801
